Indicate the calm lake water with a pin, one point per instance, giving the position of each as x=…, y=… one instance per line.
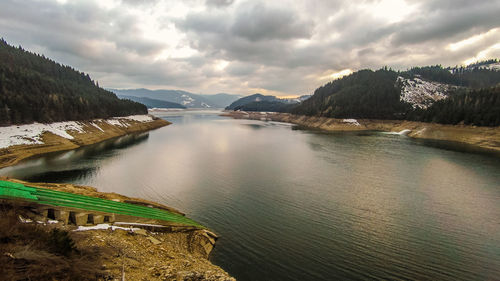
x=294, y=204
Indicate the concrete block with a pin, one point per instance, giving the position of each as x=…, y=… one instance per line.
x=62, y=216
x=81, y=218
x=98, y=219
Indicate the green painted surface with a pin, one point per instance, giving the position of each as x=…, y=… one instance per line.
x=70, y=200
x=10, y=192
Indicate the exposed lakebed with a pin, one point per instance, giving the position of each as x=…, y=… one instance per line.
x=294, y=204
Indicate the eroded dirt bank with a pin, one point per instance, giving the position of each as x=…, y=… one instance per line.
x=65, y=137
x=482, y=137
x=109, y=251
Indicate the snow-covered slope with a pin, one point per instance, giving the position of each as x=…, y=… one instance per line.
x=32, y=133
x=421, y=93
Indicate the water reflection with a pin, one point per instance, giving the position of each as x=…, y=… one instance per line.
x=307, y=205
x=62, y=176
x=68, y=166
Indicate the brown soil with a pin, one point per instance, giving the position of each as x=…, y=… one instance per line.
x=12, y=155
x=40, y=251
x=482, y=137
x=150, y=256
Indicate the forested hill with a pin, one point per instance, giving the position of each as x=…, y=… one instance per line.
x=433, y=94
x=34, y=88
x=480, y=107
x=363, y=94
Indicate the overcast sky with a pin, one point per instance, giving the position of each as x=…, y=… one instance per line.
x=274, y=47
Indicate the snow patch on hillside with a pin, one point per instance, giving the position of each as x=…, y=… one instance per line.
x=31, y=134
x=138, y=118
x=105, y=226
x=421, y=93
x=187, y=99
x=491, y=66
x=351, y=122
x=97, y=126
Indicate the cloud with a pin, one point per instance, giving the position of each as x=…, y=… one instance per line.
x=450, y=23
x=286, y=47
x=255, y=22
x=219, y=3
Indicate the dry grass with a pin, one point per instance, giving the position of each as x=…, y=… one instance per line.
x=30, y=251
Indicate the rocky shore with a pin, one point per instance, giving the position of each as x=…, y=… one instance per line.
x=481, y=137
x=18, y=142
x=112, y=251
x=116, y=252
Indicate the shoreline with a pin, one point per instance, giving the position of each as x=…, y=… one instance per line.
x=74, y=134
x=487, y=138
x=139, y=248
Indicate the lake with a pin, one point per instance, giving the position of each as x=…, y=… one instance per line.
x=295, y=204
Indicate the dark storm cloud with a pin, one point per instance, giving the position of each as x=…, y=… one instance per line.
x=289, y=46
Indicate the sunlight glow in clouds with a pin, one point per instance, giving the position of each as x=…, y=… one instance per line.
x=284, y=48
x=471, y=40
x=485, y=54
x=220, y=65
x=391, y=10
x=336, y=75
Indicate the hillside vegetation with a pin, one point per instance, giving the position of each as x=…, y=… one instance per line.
x=34, y=88
x=466, y=95
x=475, y=76
x=259, y=102
x=477, y=107
x=363, y=94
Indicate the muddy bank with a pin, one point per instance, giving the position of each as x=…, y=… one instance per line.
x=481, y=137
x=132, y=251
x=23, y=141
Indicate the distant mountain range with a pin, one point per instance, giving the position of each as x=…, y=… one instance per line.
x=259, y=102
x=183, y=98
x=153, y=103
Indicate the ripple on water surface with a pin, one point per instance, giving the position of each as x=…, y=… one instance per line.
x=306, y=205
